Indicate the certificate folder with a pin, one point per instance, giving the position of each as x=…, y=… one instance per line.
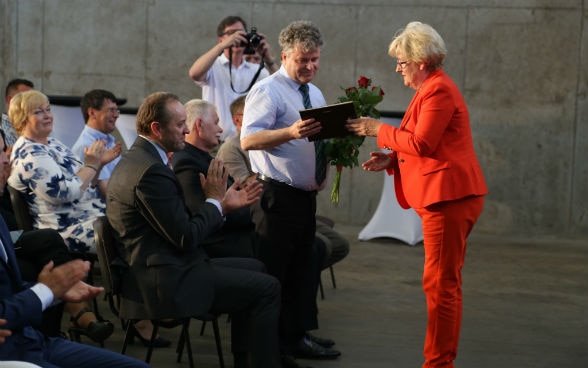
x=332, y=118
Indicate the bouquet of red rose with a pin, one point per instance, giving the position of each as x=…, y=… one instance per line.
x=344, y=152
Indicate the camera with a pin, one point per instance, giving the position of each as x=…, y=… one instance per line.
x=253, y=41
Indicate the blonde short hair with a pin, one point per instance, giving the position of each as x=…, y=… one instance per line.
x=419, y=43
x=22, y=105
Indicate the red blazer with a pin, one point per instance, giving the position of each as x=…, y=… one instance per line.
x=433, y=158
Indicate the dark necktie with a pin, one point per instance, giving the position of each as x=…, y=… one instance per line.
x=319, y=146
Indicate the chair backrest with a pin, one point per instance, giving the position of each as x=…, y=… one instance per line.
x=108, y=258
x=23, y=216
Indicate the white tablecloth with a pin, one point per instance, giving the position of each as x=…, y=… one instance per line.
x=392, y=221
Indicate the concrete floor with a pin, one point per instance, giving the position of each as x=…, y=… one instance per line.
x=525, y=305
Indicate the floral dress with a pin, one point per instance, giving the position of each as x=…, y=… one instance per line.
x=47, y=176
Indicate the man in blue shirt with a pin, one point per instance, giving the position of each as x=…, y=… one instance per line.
x=100, y=113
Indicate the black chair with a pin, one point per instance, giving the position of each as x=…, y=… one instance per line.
x=23, y=217
x=111, y=266
x=330, y=223
x=24, y=220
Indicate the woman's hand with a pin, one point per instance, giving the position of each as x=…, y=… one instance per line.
x=93, y=154
x=364, y=126
x=378, y=162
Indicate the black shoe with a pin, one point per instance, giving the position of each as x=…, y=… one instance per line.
x=158, y=342
x=308, y=349
x=288, y=361
x=325, y=343
x=98, y=330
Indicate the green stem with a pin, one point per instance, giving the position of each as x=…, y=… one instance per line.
x=335, y=190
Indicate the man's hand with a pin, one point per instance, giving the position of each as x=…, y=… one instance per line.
x=214, y=184
x=61, y=279
x=80, y=292
x=111, y=153
x=4, y=333
x=304, y=128
x=240, y=196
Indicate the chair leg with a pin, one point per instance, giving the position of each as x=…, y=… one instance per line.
x=333, y=276
x=127, y=338
x=153, y=336
x=321, y=288
x=185, y=340
x=202, y=326
x=219, y=348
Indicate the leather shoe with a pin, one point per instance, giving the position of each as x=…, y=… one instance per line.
x=308, y=349
x=326, y=343
x=288, y=361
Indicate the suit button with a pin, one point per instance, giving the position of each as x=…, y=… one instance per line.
x=401, y=160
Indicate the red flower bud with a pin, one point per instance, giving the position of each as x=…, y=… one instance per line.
x=381, y=90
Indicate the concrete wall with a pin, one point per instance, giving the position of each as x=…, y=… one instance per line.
x=522, y=66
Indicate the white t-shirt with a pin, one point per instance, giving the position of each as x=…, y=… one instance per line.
x=216, y=88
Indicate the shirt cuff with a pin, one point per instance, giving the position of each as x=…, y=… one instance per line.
x=44, y=294
x=216, y=203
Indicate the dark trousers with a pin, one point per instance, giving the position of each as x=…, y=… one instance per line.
x=251, y=298
x=34, y=249
x=286, y=228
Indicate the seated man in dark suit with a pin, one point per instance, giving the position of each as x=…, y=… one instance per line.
x=169, y=273
x=237, y=236
x=22, y=304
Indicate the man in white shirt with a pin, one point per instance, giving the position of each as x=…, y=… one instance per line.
x=223, y=81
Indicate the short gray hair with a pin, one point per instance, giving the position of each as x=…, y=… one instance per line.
x=301, y=33
x=198, y=108
x=419, y=42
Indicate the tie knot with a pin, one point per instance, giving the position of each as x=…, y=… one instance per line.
x=303, y=88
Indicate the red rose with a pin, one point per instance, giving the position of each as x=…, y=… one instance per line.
x=363, y=81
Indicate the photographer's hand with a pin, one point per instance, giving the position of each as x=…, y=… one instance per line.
x=264, y=50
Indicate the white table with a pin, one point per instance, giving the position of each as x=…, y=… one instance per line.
x=390, y=220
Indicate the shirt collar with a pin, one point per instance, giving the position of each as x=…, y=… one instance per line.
x=162, y=153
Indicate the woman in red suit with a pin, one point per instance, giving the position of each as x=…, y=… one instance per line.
x=436, y=172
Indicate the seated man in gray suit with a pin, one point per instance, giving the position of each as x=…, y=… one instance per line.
x=169, y=273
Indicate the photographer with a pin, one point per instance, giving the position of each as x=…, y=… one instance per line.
x=223, y=81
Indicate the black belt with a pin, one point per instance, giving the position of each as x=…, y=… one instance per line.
x=279, y=184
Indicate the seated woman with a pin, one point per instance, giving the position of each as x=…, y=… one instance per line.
x=60, y=189
x=34, y=249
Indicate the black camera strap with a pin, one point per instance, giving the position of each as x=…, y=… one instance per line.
x=261, y=65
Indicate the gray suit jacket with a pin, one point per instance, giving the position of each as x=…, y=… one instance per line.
x=168, y=274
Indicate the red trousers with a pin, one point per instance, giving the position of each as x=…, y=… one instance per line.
x=446, y=226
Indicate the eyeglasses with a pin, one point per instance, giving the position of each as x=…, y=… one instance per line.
x=401, y=64
x=112, y=110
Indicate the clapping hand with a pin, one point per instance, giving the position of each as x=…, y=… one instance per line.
x=3, y=332
x=214, y=184
x=93, y=154
x=239, y=196
x=111, y=153
x=65, y=281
